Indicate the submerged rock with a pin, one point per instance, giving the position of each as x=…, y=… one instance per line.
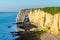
x=9, y=26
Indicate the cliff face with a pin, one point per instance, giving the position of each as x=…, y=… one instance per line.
x=41, y=19
x=44, y=19
x=21, y=15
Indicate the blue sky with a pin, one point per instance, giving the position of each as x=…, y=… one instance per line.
x=16, y=5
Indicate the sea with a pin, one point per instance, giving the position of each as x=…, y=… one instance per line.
x=7, y=20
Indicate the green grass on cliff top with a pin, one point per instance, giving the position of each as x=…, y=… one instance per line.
x=51, y=10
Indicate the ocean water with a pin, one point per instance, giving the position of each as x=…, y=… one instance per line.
x=7, y=19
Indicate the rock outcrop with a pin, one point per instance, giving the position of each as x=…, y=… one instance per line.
x=41, y=19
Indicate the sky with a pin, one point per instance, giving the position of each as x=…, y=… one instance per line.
x=16, y=5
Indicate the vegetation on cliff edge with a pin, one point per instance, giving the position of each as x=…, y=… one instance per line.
x=51, y=10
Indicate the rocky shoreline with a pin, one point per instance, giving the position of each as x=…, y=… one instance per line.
x=25, y=35
x=33, y=36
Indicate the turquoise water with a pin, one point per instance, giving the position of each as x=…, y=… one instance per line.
x=7, y=19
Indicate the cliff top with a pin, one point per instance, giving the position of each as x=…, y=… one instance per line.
x=51, y=10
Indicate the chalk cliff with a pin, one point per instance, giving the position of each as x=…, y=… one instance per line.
x=42, y=19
